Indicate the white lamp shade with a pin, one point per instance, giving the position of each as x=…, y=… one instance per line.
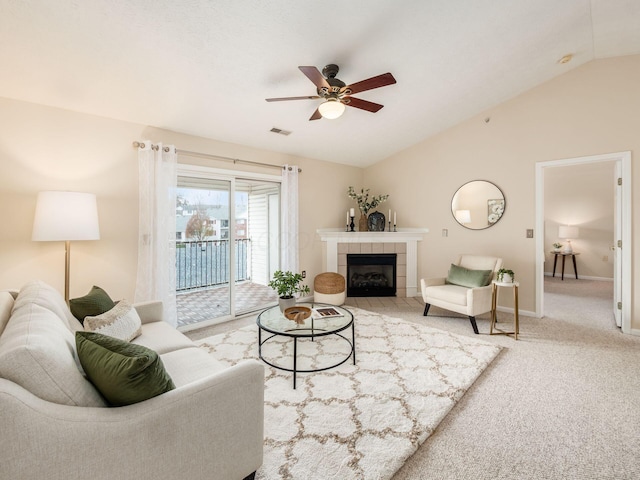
x=567, y=231
x=463, y=216
x=331, y=109
x=62, y=216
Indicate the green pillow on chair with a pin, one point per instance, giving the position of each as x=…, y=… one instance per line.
x=94, y=303
x=468, y=278
x=123, y=372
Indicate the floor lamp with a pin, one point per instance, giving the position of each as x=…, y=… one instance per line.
x=65, y=216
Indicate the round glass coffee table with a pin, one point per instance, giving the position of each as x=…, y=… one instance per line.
x=337, y=319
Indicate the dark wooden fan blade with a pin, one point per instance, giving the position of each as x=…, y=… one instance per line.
x=291, y=98
x=316, y=115
x=315, y=76
x=371, y=83
x=362, y=104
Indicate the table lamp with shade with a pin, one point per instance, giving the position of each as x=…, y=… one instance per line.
x=568, y=232
x=63, y=217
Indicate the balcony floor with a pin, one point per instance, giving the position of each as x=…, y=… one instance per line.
x=198, y=306
x=202, y=305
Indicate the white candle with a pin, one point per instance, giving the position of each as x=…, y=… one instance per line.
x=353, y=212
x=394, y=217
x=389, y=217
x=347, y=217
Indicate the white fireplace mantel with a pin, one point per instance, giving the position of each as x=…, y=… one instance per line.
x=408, y=236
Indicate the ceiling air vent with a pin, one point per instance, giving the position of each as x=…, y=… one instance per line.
x=280, y=131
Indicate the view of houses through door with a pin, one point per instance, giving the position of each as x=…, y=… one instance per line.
x=227, y=245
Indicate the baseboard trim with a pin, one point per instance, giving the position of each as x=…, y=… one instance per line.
x=526, y=313
x=572, y=276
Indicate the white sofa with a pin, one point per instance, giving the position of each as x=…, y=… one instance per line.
x=55, y=425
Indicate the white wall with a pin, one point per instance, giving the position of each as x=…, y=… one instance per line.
x=44, y=148
x=590, y=110
x=587, y=111
x=581, y=195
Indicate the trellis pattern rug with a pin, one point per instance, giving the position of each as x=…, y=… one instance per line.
x=356, y=421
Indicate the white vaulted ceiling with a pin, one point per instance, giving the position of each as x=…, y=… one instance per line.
x=205, y=67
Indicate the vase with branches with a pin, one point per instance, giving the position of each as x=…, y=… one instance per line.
x=365, y=204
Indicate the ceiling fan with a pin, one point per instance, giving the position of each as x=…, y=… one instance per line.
x=337, y=94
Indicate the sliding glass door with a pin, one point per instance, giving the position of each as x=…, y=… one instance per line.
x=227, y=245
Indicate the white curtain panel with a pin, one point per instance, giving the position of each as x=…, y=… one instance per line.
x=157, y=167
x=289, y=224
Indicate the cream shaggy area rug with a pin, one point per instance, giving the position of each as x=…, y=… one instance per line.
x=356, y=421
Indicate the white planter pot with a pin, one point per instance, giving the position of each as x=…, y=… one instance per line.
x=506, y=278
x=286, y=302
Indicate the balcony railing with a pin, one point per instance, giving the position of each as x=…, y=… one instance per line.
x=206, y=263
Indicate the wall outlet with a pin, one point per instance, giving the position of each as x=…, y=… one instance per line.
x=445, y=232
x=529, y=232
x=304, y=274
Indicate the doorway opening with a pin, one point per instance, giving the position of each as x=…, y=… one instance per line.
x=620, y=183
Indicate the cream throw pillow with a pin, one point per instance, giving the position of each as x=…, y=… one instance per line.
x=121, y=322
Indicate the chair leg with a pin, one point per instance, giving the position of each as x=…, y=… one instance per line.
x=473, y=324
x=426, y=308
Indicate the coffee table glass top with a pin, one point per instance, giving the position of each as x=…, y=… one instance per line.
x=272, y=320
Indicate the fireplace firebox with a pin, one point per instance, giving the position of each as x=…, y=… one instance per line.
x=371, y=275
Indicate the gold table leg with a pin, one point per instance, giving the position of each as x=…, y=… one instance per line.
x=494, y=312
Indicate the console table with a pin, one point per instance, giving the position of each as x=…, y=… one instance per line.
x=564, y=256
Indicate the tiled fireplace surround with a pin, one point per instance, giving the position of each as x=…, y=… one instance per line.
x=403, y=243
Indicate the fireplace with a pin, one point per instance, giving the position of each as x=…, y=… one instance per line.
x=371, y=275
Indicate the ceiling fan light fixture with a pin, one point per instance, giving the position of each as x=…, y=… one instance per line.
x=331, y=109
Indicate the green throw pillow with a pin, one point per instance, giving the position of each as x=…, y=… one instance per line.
x=468, y=278
x=94, y=303
x=123, y=372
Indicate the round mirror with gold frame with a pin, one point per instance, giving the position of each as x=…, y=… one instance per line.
x=478, y=204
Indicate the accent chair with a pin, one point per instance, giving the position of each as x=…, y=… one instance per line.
x=466, y=289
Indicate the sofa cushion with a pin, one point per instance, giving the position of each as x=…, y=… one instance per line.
x=188, y=365
x=162, y=337
x=37, y=351
x=122, y=322
x=466, y=277
x=40, y=293
x=96, y=302
x=454, y=294
x=123, y=372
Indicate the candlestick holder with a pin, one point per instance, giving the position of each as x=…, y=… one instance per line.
x=389, y=225
x=352, y=225
x=394, y=228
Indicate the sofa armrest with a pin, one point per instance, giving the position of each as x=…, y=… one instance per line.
x=431, y=282
x=210, y=429
x=152, y=311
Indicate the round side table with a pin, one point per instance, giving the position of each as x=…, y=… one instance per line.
x=494, y=311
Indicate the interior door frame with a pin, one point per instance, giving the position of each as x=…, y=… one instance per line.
x=623, y=214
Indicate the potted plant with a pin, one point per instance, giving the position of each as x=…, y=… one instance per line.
x=505, y=275
x=287, y=284
x=557, y=246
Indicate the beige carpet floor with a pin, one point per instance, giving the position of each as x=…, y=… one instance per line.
x=562, y=402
